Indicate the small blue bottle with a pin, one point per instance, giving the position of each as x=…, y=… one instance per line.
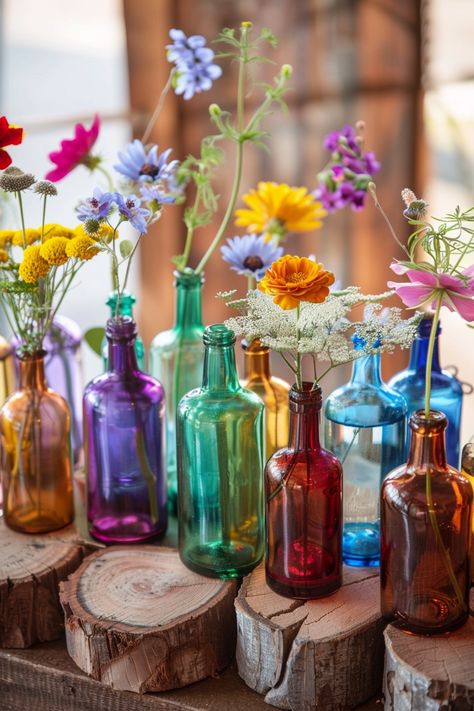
x=365, y=428
x=446, y=390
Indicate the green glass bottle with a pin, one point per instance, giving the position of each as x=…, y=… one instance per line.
x=125, y=309
x=220, y=446
x=176, y=358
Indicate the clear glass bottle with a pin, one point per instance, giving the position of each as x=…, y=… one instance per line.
x=220, y=467
x=127, y=301
x=273, y=391
x=303, y=490
x=446, y=390
x=36, y=453
x=365, y=426
x=124, y=438
x=176, y=360
x=426, y=535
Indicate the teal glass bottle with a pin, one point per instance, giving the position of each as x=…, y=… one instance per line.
x=176, y=360
x=365, y=428
x=127, y=301
x=220, y=445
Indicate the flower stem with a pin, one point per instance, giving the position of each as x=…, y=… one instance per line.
x=298, y=354
x=157, y=109
x=429, y=357
x=251, y=283
x=43, y=219
x=108, y=177
x=379, y=207
x=22, y=216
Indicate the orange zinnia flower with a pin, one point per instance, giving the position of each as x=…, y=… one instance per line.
x=293, y=279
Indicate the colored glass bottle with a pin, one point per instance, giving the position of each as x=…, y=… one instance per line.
x=273, y=392
x=467, y=469
x=446, y=390
x=7, y=384
x=176, y=360
x=124, y=445
x=127, y=301
x=220, y=467
x=425, y=535
x=36, y=453
x=365, y=426
x=303, y=489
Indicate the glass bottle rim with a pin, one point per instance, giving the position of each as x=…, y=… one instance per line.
x=308, y=396
x=124, y=296
x=188, y=278
x=218, y=335
x=36, y=356
x=255, y=347
x=436, y=422
x=122, y=328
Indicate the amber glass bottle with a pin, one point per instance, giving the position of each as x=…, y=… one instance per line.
x=425, y=535
x=467, y=468
x=273, y=392
x=36, y=453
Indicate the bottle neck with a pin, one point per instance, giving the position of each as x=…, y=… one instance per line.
x=125, y=306
x=32, y=374
x=121, y=341
x=220, y=372
x=427, y=441
x=189, y=303
x=305, y=408
x=256, y=361
x=419, y=354
x=366, y=370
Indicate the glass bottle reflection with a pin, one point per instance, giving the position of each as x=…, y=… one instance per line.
x=425, y=535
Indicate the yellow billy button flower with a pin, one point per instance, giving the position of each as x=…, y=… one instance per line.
x=33, y=266
x=6, y=237
x=293, y=279
x=105, y=232
x=4, y=256
x=81, y=247
x=54, y=230
x=53, y=250
x=31, y=236
x=275, y=209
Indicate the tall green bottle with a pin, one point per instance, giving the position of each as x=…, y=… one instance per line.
x=220, y=467
x=127, y=301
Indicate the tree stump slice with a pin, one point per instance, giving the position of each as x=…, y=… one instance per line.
x=324, y=654
x=31, y=568
x=425, y=673
x=138, y=620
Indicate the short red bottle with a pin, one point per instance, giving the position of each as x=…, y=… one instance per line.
x=303, y=485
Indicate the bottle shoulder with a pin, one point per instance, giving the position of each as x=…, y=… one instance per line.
x=405, y=485
x=136, y=384
x=176, y=336
x=268, y=389
x=410, y=379
x=202, y=401
x=365, y=405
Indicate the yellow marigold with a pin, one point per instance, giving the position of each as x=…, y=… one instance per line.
x=53, y=250
x=4, y=256
x=6, y=237
x=31, y=236
x=55, y=230
x=275, y=209
x=33, y=266
x=293, y=279
x=105, y=232
x=81, y=247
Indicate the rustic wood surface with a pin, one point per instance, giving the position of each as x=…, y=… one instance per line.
x=31, y=567
x=324, y=654
x=138, y=620
x=429, y=673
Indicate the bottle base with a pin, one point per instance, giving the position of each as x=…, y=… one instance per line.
x=440, y=623
x=309, y=591
x=28, y=521
x=133, y=529
x=361, y=544
x=221, y=560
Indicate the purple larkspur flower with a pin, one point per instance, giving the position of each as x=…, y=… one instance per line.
x=335, y=139
x=96, y=207
x=129, y=207
x=138, y=163
x=250, y=255
x=194, y=62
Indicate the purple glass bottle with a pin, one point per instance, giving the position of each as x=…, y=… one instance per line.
x=124, y=445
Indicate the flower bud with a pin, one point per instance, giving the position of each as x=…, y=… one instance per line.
x=246, y=25
x=286, y=71
x=215, y=110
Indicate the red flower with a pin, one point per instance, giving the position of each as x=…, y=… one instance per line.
x=9, y=136
x=74, y=151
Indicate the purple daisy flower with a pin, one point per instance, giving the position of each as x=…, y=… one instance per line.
x=195, y=68
x=129, y=207
x=156, y=192
x=96, y=207
x=137, y=163
x=250, y=255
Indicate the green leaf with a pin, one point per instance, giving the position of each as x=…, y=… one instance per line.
x=94, y=337
x=126, y=248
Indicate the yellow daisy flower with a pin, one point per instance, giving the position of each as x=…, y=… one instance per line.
x=105, y=232
x=6, y=237
x=53, y=250
x=31, y=236
x=275, y=209
x=33, y=266
x=55, y=230
x=81, y=247
x=4, y=256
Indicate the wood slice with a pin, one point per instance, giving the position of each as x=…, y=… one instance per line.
x=324, y=654
x=31, y=568
x=425, y=673
x=138, y=620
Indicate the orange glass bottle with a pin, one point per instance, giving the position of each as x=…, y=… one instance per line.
x=36, y=461
x=467, y=468
x=425, y=535
x=273, y=391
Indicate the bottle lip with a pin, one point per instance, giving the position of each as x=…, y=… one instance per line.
x=308, y=396
x=125, y=296
x=188, y=278
x=436, y=422
x=254, y=347
x=218, y=335
x=123, y=328
x=31, y=357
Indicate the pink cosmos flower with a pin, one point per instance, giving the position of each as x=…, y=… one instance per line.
x=424, y=287
x=74, y=151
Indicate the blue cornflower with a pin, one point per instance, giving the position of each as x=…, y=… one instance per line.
x=97, y=207
x=156, y=192
x=136, y=163
x=250, y=255
x=129, y=209
x=195, y=69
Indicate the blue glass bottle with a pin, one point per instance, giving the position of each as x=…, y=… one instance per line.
x=365, y=428
x=127, y=301
x=446, y=390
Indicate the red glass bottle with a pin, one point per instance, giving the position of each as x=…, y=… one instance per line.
x=425, y=535
x=303, y=486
